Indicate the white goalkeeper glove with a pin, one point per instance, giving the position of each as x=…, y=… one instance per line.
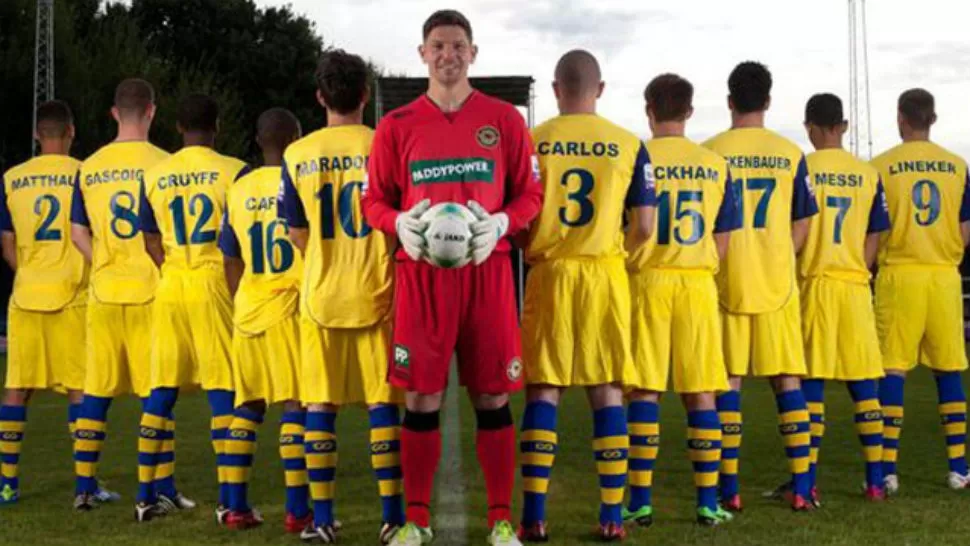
x=486, y=232
x=410, y=230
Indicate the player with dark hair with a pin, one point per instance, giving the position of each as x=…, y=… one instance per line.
x=45, y=322
x=454, y=144
x=184, y=198
x=263, y=274
x=838, y=323
x=676, y=325
x=919, y=309
x=758, y=294
x=345, y=322
x=123, y=280
x=576, y=320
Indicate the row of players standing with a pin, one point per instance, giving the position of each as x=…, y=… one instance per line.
x=578, y=317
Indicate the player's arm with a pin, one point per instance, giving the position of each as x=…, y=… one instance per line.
x=803, y=206
x=289, y=207
x=728, y=218
x=149, y=229
x=879, y=223
x=524, y=188
x=8, y=238
x=80, y=223
x=641, y=202
x=381, y=199
x=231, y=255
x=965, y=212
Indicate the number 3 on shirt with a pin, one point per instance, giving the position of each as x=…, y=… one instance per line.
x=579, y=196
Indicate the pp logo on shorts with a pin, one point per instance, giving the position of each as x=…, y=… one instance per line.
x=402, y=357
x=514, y=369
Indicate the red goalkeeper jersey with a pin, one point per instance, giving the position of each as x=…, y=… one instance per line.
x=482, y=152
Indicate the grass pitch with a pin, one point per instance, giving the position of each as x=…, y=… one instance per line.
x=925, y=512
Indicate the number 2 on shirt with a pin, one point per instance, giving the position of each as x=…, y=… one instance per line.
x=199, y=205
x=766, y=186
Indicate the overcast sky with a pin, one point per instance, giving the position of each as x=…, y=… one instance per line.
x=922, y=43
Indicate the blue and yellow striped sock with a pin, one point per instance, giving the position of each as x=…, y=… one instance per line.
x=321, y=463
x=89, y=437
x=953, y=415
x=795, y=429
x=644, y=427
x=814, y=392
x=292, y=428
x=240, y=448
x=165, y=463
x=152, y=433
x=869, y=427
x=704, y=449
x=611, y=447
x=73, y=411
x=221, y=406
x=385, y=458
x=538, y=442
x=891, y=399
x=13, y=421
x=729, y=413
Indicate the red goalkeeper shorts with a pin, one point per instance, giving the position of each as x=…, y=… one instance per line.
x=469, y=311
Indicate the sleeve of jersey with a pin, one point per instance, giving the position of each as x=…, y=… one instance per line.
x=381, y=199
x=642, y=192
x=146, y=216
x=525, y=188
x=6, y=221
x=729, y=215
x=879, y=212
x=803, y=197
x=79, y=214
x=288, y=204
x=965, y=204
x=228, y=243
x=243, y=172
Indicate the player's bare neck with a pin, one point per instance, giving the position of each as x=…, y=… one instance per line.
x=669, y=129
x=206, y=140
x=55, y=147
x=577, y=108
x=748, y=120
x=132, y=132
x=272, y=158
x=916, y=136
x=449, y=98
x=336, y=119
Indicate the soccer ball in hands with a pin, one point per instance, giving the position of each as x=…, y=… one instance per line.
x=448, y=235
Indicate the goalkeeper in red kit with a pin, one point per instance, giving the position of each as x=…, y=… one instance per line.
x=454, y=144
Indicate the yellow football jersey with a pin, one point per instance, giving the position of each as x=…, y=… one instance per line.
x=35, y=205
x=185, y=199
x=348, y=268
x=852, y=205
x=591, y=170
x=771, y=184
x=694, y=202
x=928, y=198
x=106, y=202
x=269, y=289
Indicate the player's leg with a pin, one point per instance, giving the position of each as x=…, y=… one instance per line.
x=385, y=449
x=891, y=390
x=538, y=443
x=13, y=421
x=794, y=425
x=221, y=402
x=240, y=449
x=704, y=438
x=611, y=447
x=869, y=426
x=737, y=354
x=293, y=455
x=88, y=442
x=320, y=441
x=814, y=392
x=153, y=432
x=953, y=415
x=643, y=424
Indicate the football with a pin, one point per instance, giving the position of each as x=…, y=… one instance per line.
x=448, y=234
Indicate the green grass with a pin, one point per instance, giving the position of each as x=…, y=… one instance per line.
x=926, y=512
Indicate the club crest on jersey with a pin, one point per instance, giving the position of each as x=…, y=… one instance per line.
x=536, y=173
x=648, y=176
x=514, y=369
x=487, y=137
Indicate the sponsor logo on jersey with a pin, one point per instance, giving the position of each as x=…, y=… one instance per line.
x=487, y=137
x=454, y=170
x=514, y=369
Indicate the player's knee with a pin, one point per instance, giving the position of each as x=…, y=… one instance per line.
x=785, y=383
x=423, y=403
x=543, y=393
x=422, y=421
x=604, y=396
x=494, y=419
x=16, y=397
x=734, y=382
x=700, y=401
x=641, y=395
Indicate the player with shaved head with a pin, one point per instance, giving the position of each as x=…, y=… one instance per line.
x=576, y=322
x=263, y=273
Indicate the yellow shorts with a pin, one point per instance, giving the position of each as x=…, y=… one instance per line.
x=676, y=325
x=192, y=331
x=576, y=323
x=766, y=344
x=119, y=349
x=839, y=328
x=919, y=317
x=346, y=365
x=265, y=366
x=46, y=349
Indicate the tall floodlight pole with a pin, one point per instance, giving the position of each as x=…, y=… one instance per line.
x=859, y=95
x=43, y=59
